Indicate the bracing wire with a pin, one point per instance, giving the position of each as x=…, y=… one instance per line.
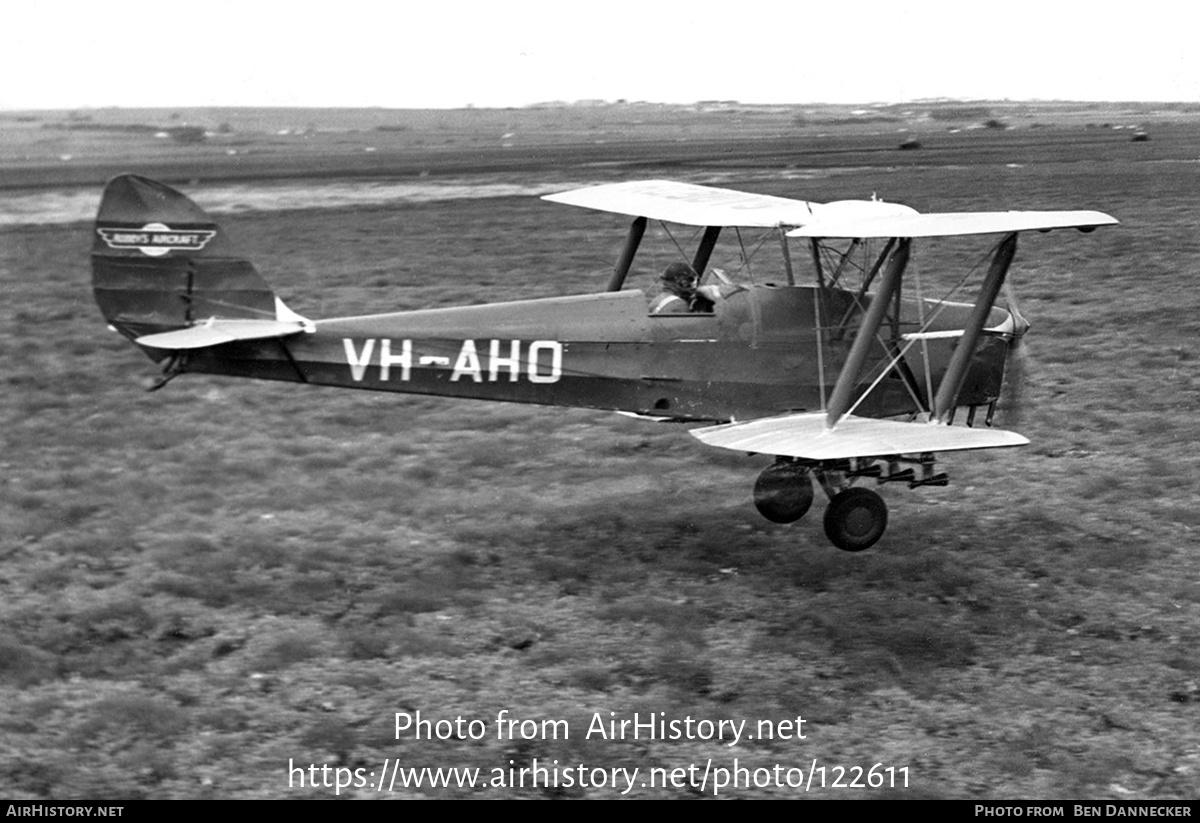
x=895, y=360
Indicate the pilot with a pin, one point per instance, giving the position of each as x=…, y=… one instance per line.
x=680, y=292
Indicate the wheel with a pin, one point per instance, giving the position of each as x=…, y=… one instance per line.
x=856, y=519
x=783, y=493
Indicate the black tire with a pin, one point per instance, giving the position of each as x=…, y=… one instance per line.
x=783, y=493
x=856, y=519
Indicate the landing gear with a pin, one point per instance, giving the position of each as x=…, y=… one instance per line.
x=855, y=519
x=783, y=493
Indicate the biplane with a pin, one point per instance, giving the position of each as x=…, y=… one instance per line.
x=842, y=379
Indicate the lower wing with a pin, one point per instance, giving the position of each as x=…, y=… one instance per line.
x=806, y=436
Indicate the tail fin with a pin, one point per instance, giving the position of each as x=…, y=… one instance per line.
x=160, y=263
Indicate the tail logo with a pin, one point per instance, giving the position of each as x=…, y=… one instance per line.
x=157, y=239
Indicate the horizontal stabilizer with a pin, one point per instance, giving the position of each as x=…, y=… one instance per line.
x=805, y=436
x=950, y=224
x=217, y=331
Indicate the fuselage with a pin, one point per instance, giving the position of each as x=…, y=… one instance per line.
x=759, y=353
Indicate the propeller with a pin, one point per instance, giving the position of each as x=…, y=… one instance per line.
x=1012, y=393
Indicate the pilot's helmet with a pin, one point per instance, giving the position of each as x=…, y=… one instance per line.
x=679, y=274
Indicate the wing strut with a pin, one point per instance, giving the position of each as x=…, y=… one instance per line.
x=636, y=229
x=704, y=251
x=840, y=401
x=787, y=257
x=960, y=361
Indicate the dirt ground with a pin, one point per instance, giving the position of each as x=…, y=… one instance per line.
x=209, y=589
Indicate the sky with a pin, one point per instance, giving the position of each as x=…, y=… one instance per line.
x=445, y=54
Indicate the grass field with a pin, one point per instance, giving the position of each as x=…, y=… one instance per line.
x=203, y=584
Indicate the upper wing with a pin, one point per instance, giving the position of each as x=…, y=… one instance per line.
x=694, y=205
x=949, y=224
x=805, y=436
